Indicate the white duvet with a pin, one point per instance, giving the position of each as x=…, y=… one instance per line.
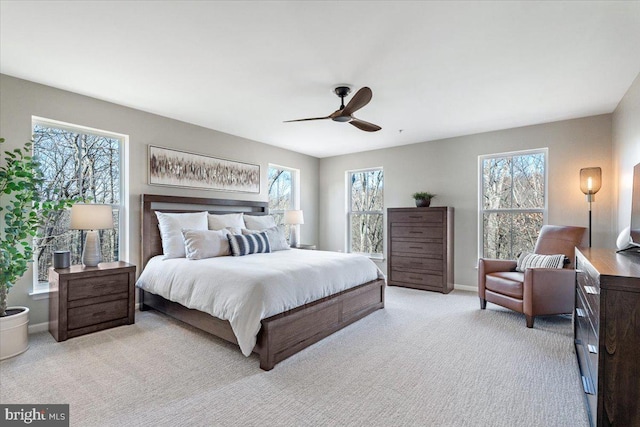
x=244, y=290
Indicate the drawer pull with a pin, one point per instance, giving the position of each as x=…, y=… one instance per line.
x=587, y=384
x=415, y=247
x=414, y=216
x=99, y=313
x=580, y=312
x=591, y=290
x=592, y=348
x=415, y=232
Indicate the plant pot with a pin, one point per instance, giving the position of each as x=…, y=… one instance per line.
x=423, y=203
x=14, y=332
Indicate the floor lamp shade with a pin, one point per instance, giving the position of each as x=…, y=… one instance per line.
x=91, y=217
x=590, y=182
x=294, y=218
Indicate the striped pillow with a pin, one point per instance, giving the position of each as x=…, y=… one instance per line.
x=257, y=243
x=527, y=260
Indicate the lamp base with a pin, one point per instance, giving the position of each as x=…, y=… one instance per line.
x=91, y=255
x=293, y=241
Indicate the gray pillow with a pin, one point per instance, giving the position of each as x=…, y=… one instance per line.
x=201, y=244
x=259, y=222
x=277, y=240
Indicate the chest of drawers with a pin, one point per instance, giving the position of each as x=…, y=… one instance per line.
x=88, y=299
x=607, y=335
x=420, y=248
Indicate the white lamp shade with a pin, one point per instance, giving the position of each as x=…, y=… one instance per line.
x=293, y=217
x=91, y=217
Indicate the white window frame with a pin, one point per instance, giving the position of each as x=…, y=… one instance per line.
x=41, y=289
x=482, y=211
x=347, y=244
x=295, y=191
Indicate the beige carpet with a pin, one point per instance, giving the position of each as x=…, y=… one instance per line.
x=425, y=360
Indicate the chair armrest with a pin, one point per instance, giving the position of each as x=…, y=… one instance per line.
x=487, y=266
x=548, y=291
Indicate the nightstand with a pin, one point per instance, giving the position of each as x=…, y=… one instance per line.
x=83, y=300
x=308, y=247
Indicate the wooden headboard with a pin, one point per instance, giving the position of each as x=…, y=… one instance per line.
x=151, y=240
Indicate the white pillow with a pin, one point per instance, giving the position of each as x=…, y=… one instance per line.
x=200, y=244
x=527, y=260
x=259, y=222
x=277, y=240
x=232, y=222
x=171, y=225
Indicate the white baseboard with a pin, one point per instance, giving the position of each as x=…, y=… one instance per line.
x=39, y=327
x=466, y=288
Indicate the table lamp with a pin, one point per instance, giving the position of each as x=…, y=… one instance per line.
x=294, y=218
x=91, y=218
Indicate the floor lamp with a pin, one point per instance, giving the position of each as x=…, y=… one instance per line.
x=590, y=183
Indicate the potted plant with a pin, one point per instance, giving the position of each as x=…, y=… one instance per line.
x=423, y=199
x=21, y=210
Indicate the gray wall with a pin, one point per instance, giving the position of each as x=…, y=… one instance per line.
x=626, y=150
x=449, y=168
x=21, y=99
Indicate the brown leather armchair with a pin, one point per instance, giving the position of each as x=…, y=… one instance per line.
x=537, y=291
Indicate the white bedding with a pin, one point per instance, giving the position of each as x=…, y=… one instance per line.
x=244, y=290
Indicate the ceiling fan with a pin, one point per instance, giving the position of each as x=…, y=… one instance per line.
x=345, y=114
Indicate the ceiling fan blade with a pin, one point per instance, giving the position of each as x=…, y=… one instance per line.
x=306, y=120
x=365, y=126
x=359, y=100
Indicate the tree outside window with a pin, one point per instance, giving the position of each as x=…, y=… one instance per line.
x=76, y=164
x=512, y=202
x=282, y=193
x=365, y=191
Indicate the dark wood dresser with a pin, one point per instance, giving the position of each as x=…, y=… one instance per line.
x=88, y=299
x=420, y=248
x=607, y=335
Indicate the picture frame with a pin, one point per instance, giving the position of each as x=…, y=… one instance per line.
x=177, y=168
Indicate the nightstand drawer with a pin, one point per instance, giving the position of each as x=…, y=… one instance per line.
x=98, y=286
x=97, y=313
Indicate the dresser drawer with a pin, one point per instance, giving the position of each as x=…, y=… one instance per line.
x=418, y=248
x=413, y=263
x=419, y=232
x=417, y=216
x=417, y=278
x=98, y=286
x=588, y=280
x=97, y=313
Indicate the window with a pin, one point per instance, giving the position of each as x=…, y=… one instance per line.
x=365, y=224
x=283, y=193
x=512, y=202
x=80, y=163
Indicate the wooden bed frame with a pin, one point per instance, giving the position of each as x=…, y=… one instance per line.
x=281, y=335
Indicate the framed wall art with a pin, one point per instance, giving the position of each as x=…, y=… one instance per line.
x=177, y=168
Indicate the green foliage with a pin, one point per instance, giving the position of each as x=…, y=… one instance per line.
x=21, y=210
x=423, y=195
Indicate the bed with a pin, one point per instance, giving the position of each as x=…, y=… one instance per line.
x=280, y=335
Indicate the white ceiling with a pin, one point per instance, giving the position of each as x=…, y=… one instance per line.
x=437, y=69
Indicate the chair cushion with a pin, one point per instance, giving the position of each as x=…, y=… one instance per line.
x=506, y=283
